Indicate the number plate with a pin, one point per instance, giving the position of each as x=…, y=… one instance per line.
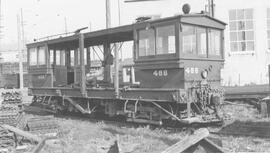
x=160, y=73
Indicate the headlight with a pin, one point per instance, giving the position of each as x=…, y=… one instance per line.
x=204, y=74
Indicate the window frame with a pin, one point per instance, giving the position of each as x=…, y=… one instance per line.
x=202, y=56
x=38, y=56
x=30, y=57
x=245, y=30
x=37, y=50
x=221, y=44
x=157, y=56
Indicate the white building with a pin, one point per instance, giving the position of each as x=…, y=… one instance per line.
x=247, y=36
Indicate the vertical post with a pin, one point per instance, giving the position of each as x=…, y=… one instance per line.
x=20, y=52
x=47, y=55
x=65, y=19
x=22, y=25
x=108, y=14
x=189, y=102
x=107, y=51
x=107, y=67
x=54, y=63
x=212, y=8
x=116, y=74
x=119, y=23
x=81, y=47
x=88, y=57
x=269, y=74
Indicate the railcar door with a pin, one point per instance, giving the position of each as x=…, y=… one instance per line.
x=39, y=69
x=59, y=68
x=70, y=67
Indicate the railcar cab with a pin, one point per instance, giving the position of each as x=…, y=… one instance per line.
x=169, y=52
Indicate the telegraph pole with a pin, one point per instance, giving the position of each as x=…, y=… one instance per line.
x=107, y=48
x=108, y=14
x=65, y=19
x=1, y=21
x=22, y=26
x=20, y=51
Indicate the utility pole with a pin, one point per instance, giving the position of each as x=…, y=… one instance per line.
x=65, y=19
x=119, y=23
x=211, y=8
x=20, y=51
x=107, y=48
x=108, y=14
x=22, y=26
x=0, y=20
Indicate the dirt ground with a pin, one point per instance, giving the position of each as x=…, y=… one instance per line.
x=244, y=113
x=84, y=136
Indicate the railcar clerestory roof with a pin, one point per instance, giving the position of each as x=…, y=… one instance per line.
x=124, y=33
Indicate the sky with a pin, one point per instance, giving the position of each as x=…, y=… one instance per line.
x=47, y=17
x=43, y=18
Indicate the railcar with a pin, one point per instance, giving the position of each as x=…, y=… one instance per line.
x=175, y=75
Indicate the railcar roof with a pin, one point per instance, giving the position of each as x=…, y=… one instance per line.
x=125, y=33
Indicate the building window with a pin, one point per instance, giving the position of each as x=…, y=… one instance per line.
x=268, y=26
x=241, y=30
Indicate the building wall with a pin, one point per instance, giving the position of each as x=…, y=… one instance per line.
x=241, y=68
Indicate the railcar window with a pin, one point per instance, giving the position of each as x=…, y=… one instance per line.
x=146, y=42
x=33, y=56
x=62, y=58
x=58, y=57
x=51, y=57
x=165, y=39
x=214, y=39
x=41, y=56
x=201, y=41
x=85, y=56
x=72, y=57
x=79, y=57
x=189, y=39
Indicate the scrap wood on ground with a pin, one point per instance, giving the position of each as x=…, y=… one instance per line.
x=190, y=143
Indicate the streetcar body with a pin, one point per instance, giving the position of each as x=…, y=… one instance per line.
x=175, y=74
